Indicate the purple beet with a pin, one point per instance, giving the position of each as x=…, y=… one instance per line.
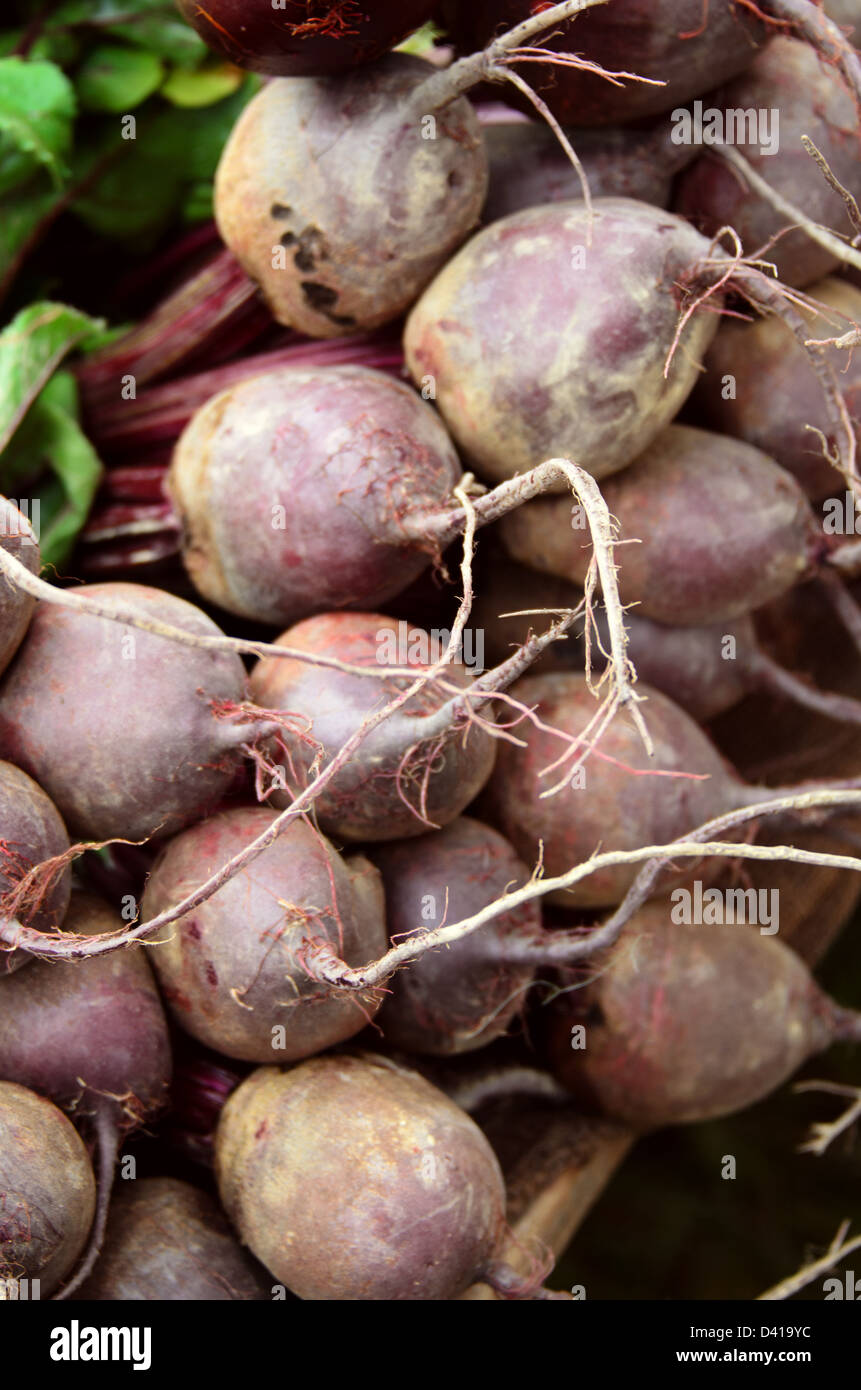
x=90, y=1035
x=417, y=771
x=684, y=46
x=169, y=1242
x=661, y=1046
x=117, y=724
x=231, y=970
x=811, y=98
x=31, y=832
x=720, y=530
x=599, y=322
x=304, y=490
x=352, y=1178
x=47, y=1191
x=459, y=997
x=304, y=38
x=758, y=386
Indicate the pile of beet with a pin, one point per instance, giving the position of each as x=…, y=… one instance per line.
x=479, y=717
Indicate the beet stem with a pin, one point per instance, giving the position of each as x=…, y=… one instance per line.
x=440, y=88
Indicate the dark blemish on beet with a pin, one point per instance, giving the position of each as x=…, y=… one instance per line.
x=279, y=211
x=261, y=1129
x=311, y=249
x=193, y=930
x=211, y=975
x=288, y=239
x=323, y=298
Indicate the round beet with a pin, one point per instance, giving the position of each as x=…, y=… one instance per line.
x=293, y=488
x=686, y=1023
x=90, y=1034
x=231, y=970
x=616, y=802
x=401, y=780
x=31, y=832
x=47, y=1190
x=117, y=724
x=541, y=346
x=459, y=997
x=169, y=1242
x=529, y=166
x=683, y=45
x=352, y=1178
x=342, y=197
x=787, y=77
x=720, y=530
x=16, y=607
x=304, y=38
x=758, y=386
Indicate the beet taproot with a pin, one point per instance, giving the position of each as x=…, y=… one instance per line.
x=295, y=489
x=90, y=1035
x=528, y=165
x=353, y=1178
x=169, y=1241
x=599, y=322
x=616, y=801
x=231, y=970
x=459, y=997
x=117, y=724
x=306, y=38
x=687, y=1023
x=685, y=48
x=47, y=1190
x=718, y=530
x=337, y=200
x=400, y=781
x=757, y=385
x=31, y=832
x=810, y=99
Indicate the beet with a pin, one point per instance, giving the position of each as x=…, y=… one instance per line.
x=786, y=76
x=231, y=970
x=341, y=197
x=305, y=38
x=294, y=489
x=31, y=832
x=773, y=395
x=352, y=1178
x=401, y=781
x=687, y=1023
x=680, y=43
x=168, y=1241
x=599, y=321
x=720, y=528
x=47, y=1190
x=115, y=723
x=336, y=176
x=620, y=803
x=16, y=608
x=91, y=1034
x=459, y=997
x=529, y=166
